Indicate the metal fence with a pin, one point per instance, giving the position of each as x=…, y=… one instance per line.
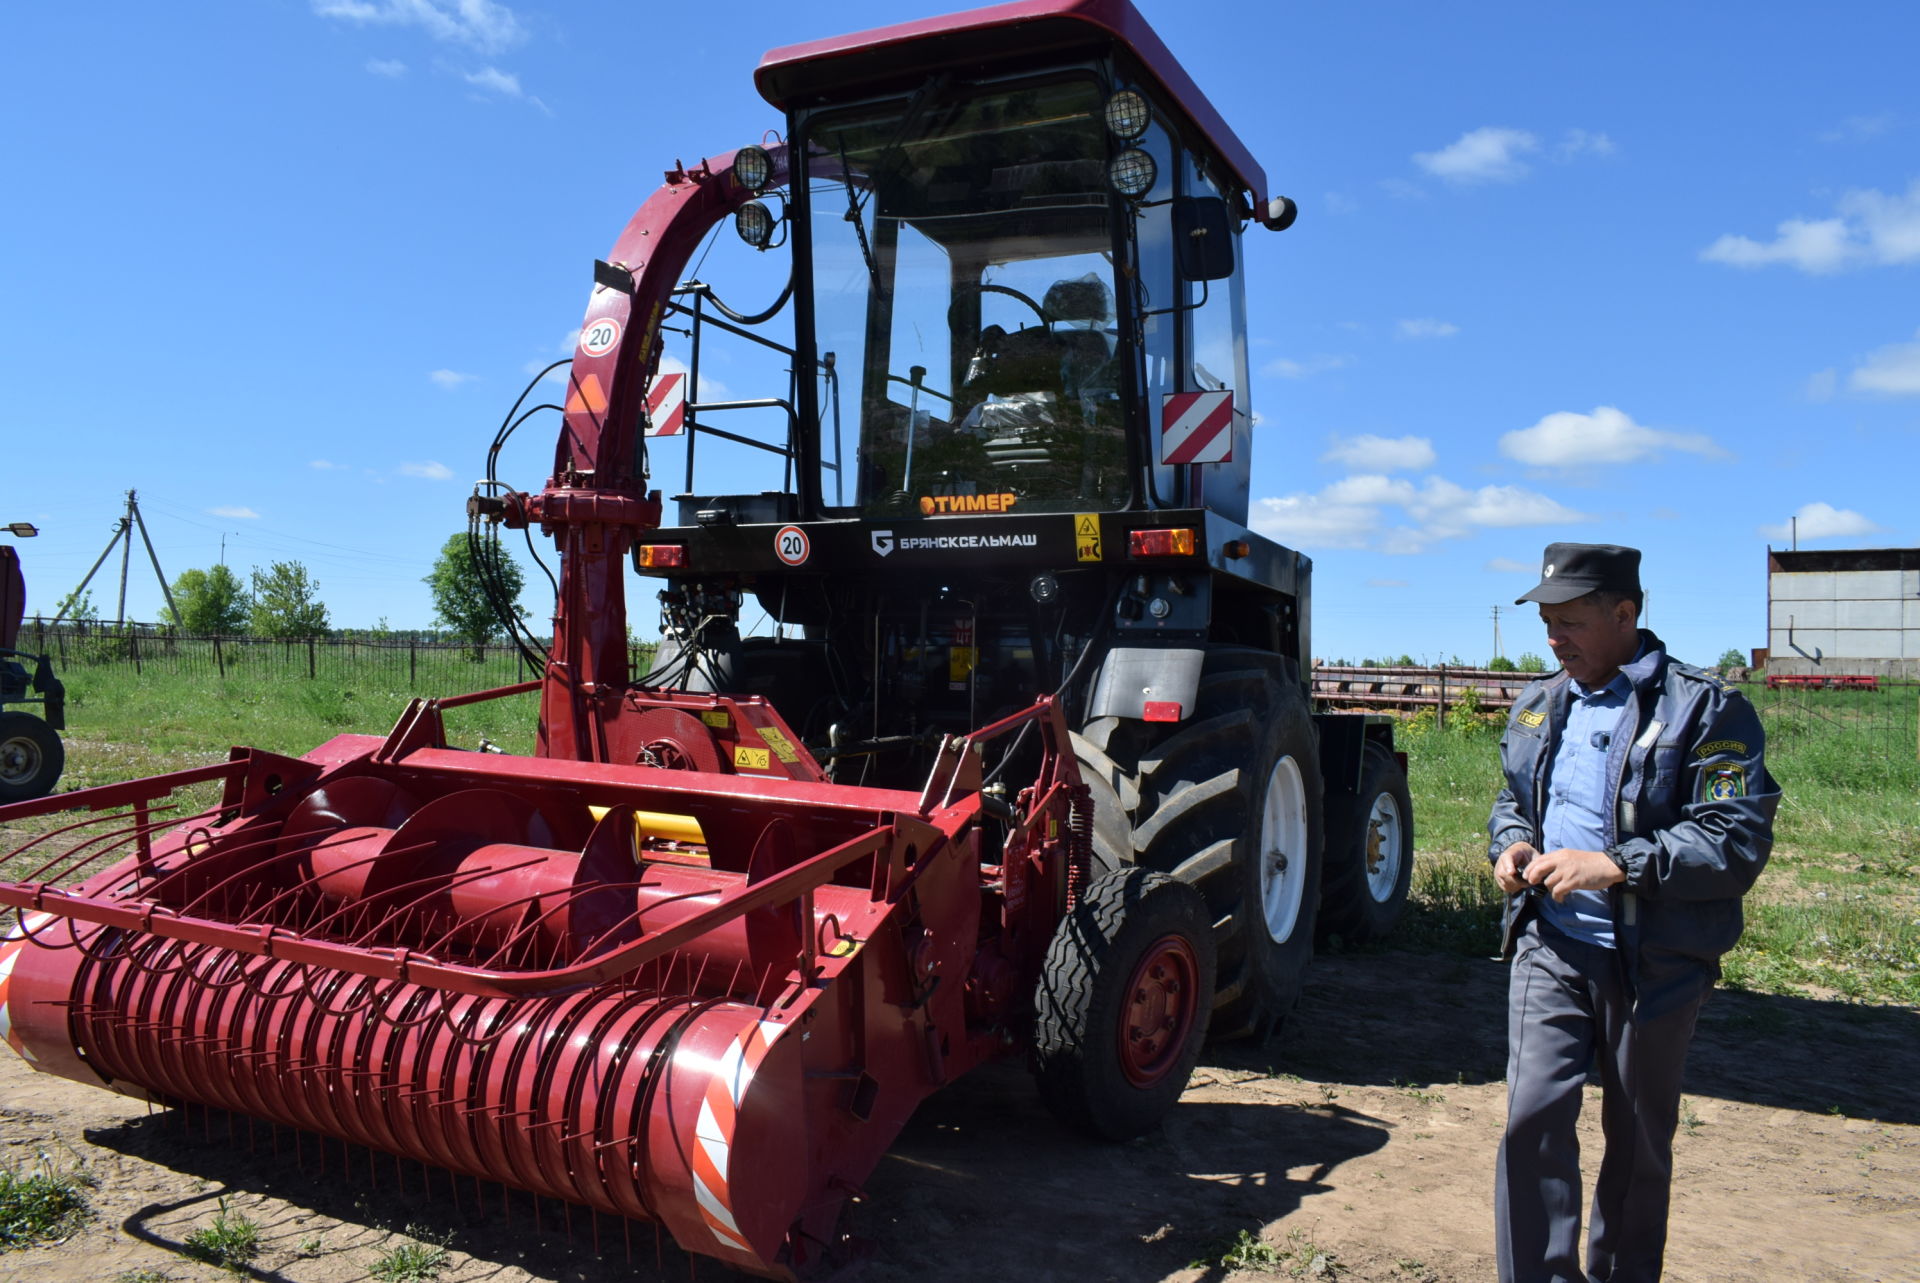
x=405, y=663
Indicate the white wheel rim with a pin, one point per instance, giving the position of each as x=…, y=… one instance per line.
x=1384, y=838
x=1283, y=849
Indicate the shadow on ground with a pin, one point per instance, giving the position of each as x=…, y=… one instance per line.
x=981, y=1184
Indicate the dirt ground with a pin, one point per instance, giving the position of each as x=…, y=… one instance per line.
x=1361, y=1139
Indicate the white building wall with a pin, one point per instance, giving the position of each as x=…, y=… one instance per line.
x=1828, y=618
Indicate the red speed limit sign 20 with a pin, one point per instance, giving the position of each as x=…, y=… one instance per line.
x=791, y=545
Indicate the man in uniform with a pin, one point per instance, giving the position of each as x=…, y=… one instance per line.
x=1636, y=813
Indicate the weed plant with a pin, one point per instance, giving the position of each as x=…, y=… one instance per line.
x=410, y=1263
x=230, y=1242
x=40, y=1202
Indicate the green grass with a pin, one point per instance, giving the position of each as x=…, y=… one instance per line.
x=230, y=1242
x=39, y=1202
x=410, y=1263
x=1298, y=1258
x=1837, y=912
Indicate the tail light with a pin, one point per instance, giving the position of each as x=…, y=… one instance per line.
x=660, y=556
x=1160, y=543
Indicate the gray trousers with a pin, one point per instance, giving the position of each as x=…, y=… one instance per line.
x=1567, y=1010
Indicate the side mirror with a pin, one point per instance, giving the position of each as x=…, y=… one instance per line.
x=1202, y=238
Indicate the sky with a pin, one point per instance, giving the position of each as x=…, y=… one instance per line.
x=1630, y=274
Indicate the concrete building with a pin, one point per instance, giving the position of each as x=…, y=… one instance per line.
x=1844, y=611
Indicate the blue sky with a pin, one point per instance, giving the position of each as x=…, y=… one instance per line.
x=1634, y=274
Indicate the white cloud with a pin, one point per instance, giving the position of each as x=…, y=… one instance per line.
x=391, y=68
x=1822, y=521
x=1369, y=453
x=1508, y=566
x=1319, y=363
x=324, y=465
x=238, y=514
x=477, y=24
x=1821, y=384
x=1581, y=142
x=495, y=81
x=1870, y=228
x=1566, y=440
x=1487, y=155
x=1353, y=513
x=1893, y=370
x=1817, y=247
x=428, y=471
x=451, y=378
x=1426, y=327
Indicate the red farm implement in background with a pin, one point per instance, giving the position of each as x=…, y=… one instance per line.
x=1029, y=767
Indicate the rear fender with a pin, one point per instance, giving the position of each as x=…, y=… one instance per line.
x=1133, y=677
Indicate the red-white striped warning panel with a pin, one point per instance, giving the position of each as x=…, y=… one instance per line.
x=667, y=405
x=1196, y=427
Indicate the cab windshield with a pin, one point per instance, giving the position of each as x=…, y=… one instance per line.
x=962, y=273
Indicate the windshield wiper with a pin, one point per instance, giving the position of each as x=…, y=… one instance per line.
x=923, y=97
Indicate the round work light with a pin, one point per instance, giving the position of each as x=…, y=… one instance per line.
x=752, y=167
x=1128, y=115
x=1132, y=173
x=754, y=222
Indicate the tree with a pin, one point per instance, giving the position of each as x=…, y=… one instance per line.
x=460, y=599
x=286, y=602
x=1531, y=663
x=210, y=601
x=77, y=605
x=1731, y=658
x=1500, y=664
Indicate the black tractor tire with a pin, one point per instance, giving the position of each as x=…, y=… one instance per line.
x=1369, y=861
x=31, y=757
x=1121, y=1007
x=1228, y=800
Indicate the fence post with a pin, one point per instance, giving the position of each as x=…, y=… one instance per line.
x=219, y=662
x=413, y=664
x=311, y=649
x=133, y=647
x=1442, y=719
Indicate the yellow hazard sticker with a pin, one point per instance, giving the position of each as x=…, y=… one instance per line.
x=1086, y=536
x=782, y=746
x=752, y=759
x=841, y=947
x=717, y=718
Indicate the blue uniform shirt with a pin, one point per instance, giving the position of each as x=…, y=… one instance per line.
x=1578, y=800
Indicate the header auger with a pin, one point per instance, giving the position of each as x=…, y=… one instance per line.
x=1028, y=767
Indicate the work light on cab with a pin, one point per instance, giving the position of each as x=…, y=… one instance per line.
x=752, y=168
x=1128, y=115
x=1132, y=173
x=754, y=222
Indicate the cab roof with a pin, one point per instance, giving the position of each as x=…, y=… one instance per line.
x=797, y=75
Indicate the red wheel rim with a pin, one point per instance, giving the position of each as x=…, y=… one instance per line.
x=1158, y=1010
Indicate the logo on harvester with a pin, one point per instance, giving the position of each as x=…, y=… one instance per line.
x=936, y=505
x=883, y=542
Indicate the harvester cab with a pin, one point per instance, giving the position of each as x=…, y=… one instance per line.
x=1024, y=765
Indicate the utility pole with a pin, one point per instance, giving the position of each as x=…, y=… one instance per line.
x=1496, y=632
x=123, y=530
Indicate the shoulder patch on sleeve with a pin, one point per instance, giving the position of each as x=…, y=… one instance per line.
x=1723, y=783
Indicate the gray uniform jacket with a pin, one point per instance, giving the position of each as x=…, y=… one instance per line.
x=1691, y=822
